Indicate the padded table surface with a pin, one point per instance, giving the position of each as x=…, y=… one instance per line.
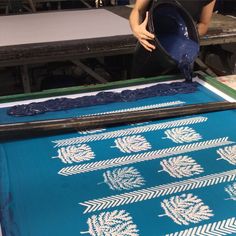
x=65, y=37
x=168, y=177
x=61, y=26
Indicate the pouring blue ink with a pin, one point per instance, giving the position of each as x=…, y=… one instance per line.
x=175, y=35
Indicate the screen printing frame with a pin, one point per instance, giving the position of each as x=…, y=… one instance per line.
x=208, y=82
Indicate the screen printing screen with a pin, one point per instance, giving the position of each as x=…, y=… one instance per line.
x=166, y=177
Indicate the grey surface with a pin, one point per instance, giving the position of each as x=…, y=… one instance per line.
x=61, y=26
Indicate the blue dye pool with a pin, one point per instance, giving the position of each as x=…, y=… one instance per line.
x=101, y=98
x=172, y=34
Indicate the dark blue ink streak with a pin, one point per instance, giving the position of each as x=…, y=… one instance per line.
x=102, y=98
x=172, y=33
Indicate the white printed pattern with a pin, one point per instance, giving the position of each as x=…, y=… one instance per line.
x=218, y=228
x=183, y=135
x=148, y=156
x=141, y=108
x=115, y=223
x=75, y=153
x=186, y=209
x=123, y=178
x=228, y=154
x=158, y=191
x=129, y=131
x=135, y=143
x=231, y=190
x=181, y=166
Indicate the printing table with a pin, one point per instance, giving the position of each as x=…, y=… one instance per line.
x=73, y=35
x=165, y=177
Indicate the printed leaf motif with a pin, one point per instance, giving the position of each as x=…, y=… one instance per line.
x=181, y=166
x=75, y=153
x=186, y=209
x=231, y=190
x=129, y=131
x=135, y=143
x=123, y=178
x=143, y=157
x=182, y=135
x=228, y=153
x=115, y=223
x=158, y=191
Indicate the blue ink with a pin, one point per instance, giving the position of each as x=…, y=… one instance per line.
x=101, y=98
x=172, y=33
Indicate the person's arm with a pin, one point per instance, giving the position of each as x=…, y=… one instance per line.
x=205, y=18
x=138, y=23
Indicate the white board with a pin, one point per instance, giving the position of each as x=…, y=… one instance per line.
x=61, y=26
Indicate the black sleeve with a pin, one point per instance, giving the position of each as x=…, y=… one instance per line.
x=206, y=2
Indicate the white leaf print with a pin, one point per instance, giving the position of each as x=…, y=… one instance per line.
x=115, y=223
x=123, y=178
x=228, y=153
x=231, y=190
x=181, y=166
x=135, y=143
x=75, y=153
x=186, y=209
x=182, y=135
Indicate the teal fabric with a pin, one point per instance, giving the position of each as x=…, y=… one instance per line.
x=201, y=96
x=39, y=197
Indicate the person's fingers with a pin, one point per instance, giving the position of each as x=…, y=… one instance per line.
x=148, y=49
x=144, y=27
x=147, y=45
x=148, y=34
x=145, y=22
x=145, y=36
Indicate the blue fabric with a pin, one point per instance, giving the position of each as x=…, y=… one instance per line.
x=45, y=201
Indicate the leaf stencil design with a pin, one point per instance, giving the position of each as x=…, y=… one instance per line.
x=231, y=190
x=123, y=178
x=115, y=223
x=143, y=157
x=186, y=209
x=228, y=153
x=135, y=143
x=181, y=166
x=129, y=131
x=182, y=135
x=75, y=153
